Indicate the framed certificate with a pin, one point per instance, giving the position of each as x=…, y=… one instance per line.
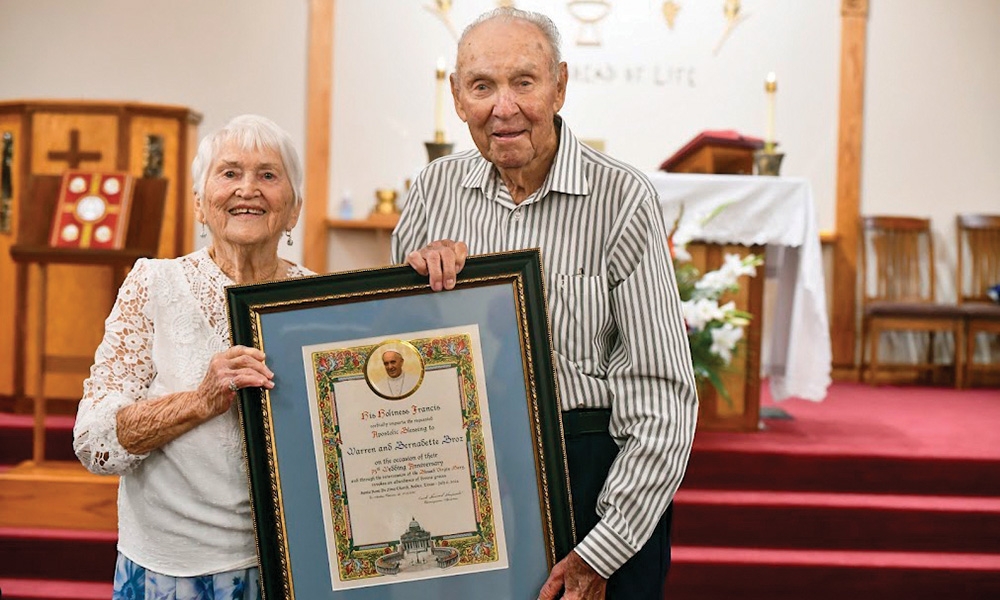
x=412, y=445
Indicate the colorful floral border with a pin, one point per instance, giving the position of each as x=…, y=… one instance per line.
x=356, y=563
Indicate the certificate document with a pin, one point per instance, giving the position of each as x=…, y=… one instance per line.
x=405, y=457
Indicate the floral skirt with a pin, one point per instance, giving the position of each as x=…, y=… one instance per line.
x=133, y=582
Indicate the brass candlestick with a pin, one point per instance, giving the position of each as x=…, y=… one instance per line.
x=767, y=161
x=438, y=147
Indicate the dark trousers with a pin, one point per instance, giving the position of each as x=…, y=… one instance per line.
x=590, y=452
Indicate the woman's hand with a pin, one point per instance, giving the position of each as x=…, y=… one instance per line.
x=145, y=426
x=441, y=261
x=228, y=371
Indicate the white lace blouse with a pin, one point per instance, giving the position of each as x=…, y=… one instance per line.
x=184, y=508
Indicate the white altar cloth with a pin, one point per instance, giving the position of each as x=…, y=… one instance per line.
x=777, y=212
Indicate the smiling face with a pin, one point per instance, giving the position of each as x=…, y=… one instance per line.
x=248, y=199
x=506, y=90
x=393, y=363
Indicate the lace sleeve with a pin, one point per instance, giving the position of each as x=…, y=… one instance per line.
x=123, y=369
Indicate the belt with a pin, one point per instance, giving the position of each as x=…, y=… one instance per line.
x=582, y=421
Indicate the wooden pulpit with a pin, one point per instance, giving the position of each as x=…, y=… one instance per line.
x=49, y=137
x=717, y=152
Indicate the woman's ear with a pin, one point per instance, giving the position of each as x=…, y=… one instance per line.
x=199, y=214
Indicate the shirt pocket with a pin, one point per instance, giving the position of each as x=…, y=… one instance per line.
x=579, y=318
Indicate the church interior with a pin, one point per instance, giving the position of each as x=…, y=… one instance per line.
x=851, y=448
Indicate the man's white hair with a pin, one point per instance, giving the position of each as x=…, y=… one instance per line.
x=509, y=13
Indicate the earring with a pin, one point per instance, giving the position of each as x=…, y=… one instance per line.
x=288, y=234
x=203, y=231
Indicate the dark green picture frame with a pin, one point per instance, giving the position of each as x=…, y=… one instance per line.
x=503, y=295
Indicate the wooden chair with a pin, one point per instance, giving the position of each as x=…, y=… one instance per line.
x=978, y=270
x=897, y=271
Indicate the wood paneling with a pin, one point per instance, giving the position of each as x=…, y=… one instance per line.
x=169, y=130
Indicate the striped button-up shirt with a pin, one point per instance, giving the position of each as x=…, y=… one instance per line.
x=618, y=335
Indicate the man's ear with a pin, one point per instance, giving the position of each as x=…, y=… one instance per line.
x=561, y=80
x=455, y=93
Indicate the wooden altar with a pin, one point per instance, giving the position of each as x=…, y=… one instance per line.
x=46, y=138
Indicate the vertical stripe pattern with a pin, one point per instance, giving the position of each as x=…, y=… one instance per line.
x=618, y=335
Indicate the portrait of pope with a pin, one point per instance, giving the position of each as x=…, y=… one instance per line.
x=394, y=370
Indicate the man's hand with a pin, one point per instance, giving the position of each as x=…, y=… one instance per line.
x=581, y=582
x=441, y=260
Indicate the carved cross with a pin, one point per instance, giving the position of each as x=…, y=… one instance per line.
x=74, y=156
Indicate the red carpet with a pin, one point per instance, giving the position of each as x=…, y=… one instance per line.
x=879, y=493
x=873, y=493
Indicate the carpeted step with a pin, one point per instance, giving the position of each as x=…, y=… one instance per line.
x=724, y=468
x=35, y=589
x=706, y=572
x=813, y=520
x=16, y=438
x=57, y=554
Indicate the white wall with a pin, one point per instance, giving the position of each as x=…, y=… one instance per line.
x=932, y=129
x=932, y=115
x=645, y=91
x=218, y=57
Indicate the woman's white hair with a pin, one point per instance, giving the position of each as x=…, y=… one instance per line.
x=250, y=132
x=509, y=13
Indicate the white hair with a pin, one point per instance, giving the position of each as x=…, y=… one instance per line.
x=508, y=14
x=250, y=132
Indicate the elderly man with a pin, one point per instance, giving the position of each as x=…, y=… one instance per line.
x=621, y=353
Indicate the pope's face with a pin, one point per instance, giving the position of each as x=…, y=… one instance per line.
x=506, y=91
x=249, y=199
x=393, y=363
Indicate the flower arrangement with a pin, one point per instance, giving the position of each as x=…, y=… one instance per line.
x=714, y=331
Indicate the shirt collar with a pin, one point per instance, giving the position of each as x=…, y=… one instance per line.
x=566, y=175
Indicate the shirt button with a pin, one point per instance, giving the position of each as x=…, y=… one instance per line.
x=517, y=215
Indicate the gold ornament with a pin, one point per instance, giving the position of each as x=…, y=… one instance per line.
x=732, y=10
x=670, y=10
x=442, y=10
x=589, y=13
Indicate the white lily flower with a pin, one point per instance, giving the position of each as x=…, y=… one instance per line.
x=698, y=313
x=724, y=341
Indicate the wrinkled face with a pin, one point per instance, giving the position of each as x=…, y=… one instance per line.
x=249, y=199
x=505, y=90
x=393, y=363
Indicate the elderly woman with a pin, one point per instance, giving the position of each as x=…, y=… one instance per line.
x=158, y=408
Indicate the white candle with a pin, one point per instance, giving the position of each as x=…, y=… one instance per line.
x=770, y=86
x=439, y=103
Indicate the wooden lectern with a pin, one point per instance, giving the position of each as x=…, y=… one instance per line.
x=38, y=493
x=49, y=137
x=718, y=152
x=33, y=249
